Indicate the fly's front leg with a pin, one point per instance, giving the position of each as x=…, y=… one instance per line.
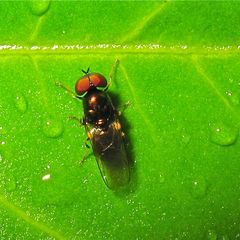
x=66, y=88
x=111, y=74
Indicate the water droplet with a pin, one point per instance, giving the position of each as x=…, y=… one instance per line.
x=224, y=237
x=223, y=135
x=53, y=128
x=2, y=130
x=39, y=7
x=46, y=177
x=1, y=157
x=199, y=187
x=21, y=103
x=211, y=235
x=3, y=147
x=185, y=138
x=233, y=97
x=10, y=182
x=161, y=178
x=2, y=138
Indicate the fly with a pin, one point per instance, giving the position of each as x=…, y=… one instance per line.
x=101, y=121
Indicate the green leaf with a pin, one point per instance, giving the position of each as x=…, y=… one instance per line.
x=179, y=68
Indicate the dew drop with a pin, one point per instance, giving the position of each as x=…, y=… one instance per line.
x=161, y=178
x=185, y=138
x=39, y=7
x=53, y=128
x=224, y=135
x=2, y=130
x=3, y=145
x=199, y=187
x=211, y=235
x=224, y=237
x=2, y=137
x=10, y=183
x=46, y=177
x=233, y=98
x=21, y=103
x=1, y=157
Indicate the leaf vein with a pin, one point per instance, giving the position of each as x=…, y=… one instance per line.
x=40, y=82
x=21, y=214
x=138, y=108
x=138, y=29
x=211, y=83
x=57, y=49
x=37, y=28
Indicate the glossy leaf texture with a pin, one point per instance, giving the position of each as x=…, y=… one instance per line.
x=179, y=68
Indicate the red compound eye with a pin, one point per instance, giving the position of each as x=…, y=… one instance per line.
x=83, y=85
x=98, y=80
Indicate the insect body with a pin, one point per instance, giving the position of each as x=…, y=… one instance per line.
x=104, y=129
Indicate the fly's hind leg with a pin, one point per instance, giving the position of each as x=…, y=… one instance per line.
x=87, y=153
x=86, y=143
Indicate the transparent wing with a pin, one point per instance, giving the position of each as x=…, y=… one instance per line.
x=109, y=150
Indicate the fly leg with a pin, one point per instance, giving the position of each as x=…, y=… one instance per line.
x=79, y=120
x=86, y=143
x=66, y=88
x=75, y=119
x=111, y=74
x=122, y=108
x=88, y=153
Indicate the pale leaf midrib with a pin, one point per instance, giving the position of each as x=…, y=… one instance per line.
x=69, y=49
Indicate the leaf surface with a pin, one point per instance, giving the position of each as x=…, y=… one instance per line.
x=179, y=68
